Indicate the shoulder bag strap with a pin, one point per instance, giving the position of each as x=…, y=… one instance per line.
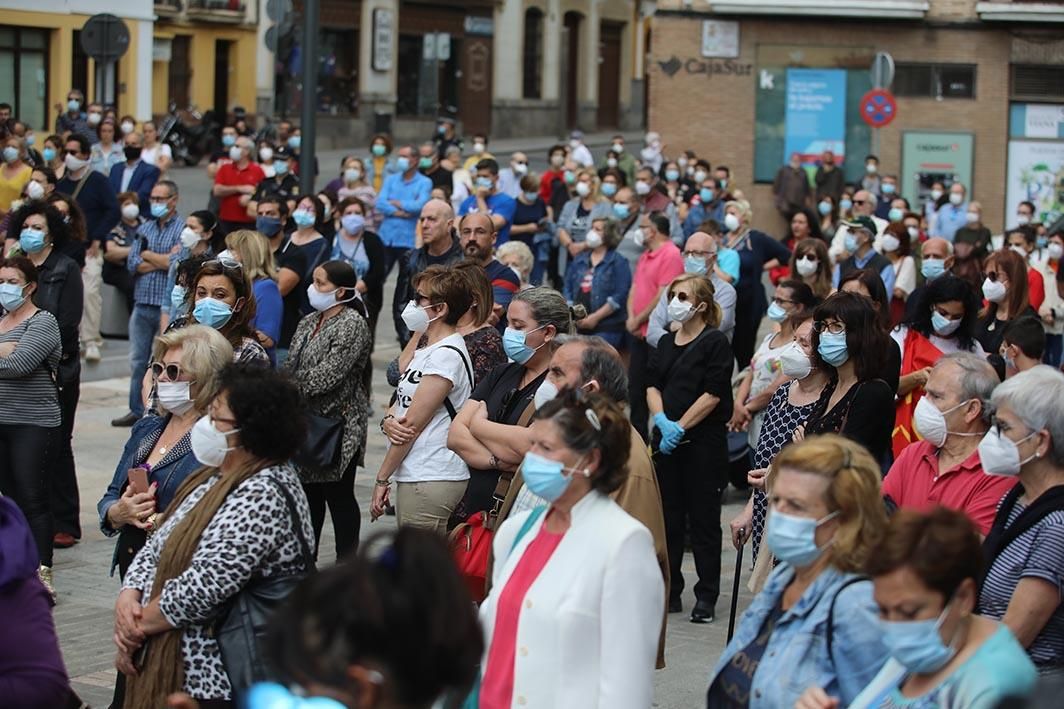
x=293, y=511
x=831, y=611
x=81, y=183
x=451, y=411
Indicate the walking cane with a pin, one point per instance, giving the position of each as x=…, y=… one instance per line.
x=735, y=591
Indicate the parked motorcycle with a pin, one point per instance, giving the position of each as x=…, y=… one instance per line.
x=190, y=140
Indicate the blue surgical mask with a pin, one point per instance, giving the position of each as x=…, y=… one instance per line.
x=887, y=188
x=793, y=539
x=269, y=695
x=845, y=204
x=932, y=268
x=776, y=313
x=379, y=150
x=895, y=214
x=303, y=218
x=159, y=210
x=353, y=223
x=73, y=105
x=267, y=226
x=609, y=189
x=672, y=175
x=31, y=240
x=620, y=210
x=513, y=343
x=212, y=313
x=10, y=153
x=695, y=265
x=916, y=644
x=177, y=294
x=943, y=326
x=706, y=195
x=546, y=478
x=11, y=297
x=48, y=154
x=531, y=196
x=228, y=140
x=294, y=142
x=484, y=183
x=403, y=163
x=851, y=242
x=832, y=348
x=824, y=208
x=280, y=167
x=1041, y=241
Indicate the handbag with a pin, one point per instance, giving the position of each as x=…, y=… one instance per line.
x=321, y=448
x=241, y=624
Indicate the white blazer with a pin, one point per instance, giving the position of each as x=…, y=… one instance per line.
x=587, y=635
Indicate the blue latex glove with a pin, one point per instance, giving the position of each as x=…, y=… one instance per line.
x=671, y=433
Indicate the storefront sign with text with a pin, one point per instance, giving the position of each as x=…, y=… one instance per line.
x=710, y=68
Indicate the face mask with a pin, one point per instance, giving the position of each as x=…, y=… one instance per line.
x=793, y=539
x=132, y=153
x=403, y=163
x=48, y=154
x=1019, y=250
x=34, y=190
x=323, y=301
x=280, y=167
x=520, y=169
x=936, y=195
x=994, y=291
x=531, y=196
x=609, y=189
x=228, y=140
x=1000, y=455
x=415, y=318
x=956, y=198
x=795, y=363
x=130, y=211
x=266, y=154
x=513, y=343
x=895, y=215
x=891, y=243
x=845, y=204
x=722, y=182
x=352, y=174
x=545, y=477
x=611, y=162
x=485, y=183
x=557, y=160
x=731, y=222
x=10, y=154
x=642, y=188
x=700, y=175
x=871, y=168
x=1010, y=362
x=175, y=397
x=680, y=310
x=916, y=644
x=73, y=105
x=943, y=326
x=887, y=188
x=353, y=223
x=824, y=208
x=682, y=162
x=178, y=294
x=640, y=238
x=583, y=189
x=1055, y=251
x=424, y=163
x=806, y=266
x=931, y=423
x=212, y=313
x=478, y=147
x=295, y=141
x=127, y=127
x=189, y=238
x=159, y=210
x=93, y=118
x=932, y=268
x=209, y=445
x=620, y=210
x=1022, y=219
x=1041, y=242
x=267, y=226
x=776, y=313
x=850, y=241
x=913, y=232
x=706, y=195
x=832, y=348
x=546, y=392
x=570, y=177
x=31, y=241
x=672, y=175
x=972, y=217
x=303, y=218
x=379, y=150
x=74, y=163
x=695, y=265
x=618, y=148
x=594, y=239
x=235, y=153
x=11, y=297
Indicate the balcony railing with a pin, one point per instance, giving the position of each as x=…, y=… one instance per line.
x=218, y=9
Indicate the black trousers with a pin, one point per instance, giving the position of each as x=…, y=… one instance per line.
x=343, y=507
x=747, y=320
x=692, y=480
x=66, y=503
x=638, y=359
x=27, y=455
x=394, y=256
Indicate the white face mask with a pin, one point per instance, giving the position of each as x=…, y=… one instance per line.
x=175, y=397
x=611, y=162
x=546, y=392
x=731, y=222
x=914, y=233
x=127, y=127
x=956, y=198
x=1000, y=455
x=680, y=310
x=871, y=168
x=74, y=163
x=323, y=301
x=936, y=194
x=806, y=266
x=1055, y=250
x=594, y=239
x=930, y=423
x=478, y=147
x=794, y=362
x=1022, y=219
x=994, y=291
x=265, y=154
x=415, y=318
x=700, y=176
x=583, y=189
x=189, y=238
x=642, y=188
x=130, y=211
x=209, y=445
x=34, y=190
x=972, y=217
x=890, y=243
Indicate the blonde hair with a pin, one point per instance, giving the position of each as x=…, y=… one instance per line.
x=520, y=249
x=590, y=172
x=853, y=491
x=743, y=207
x=702, y=288
x=204, y=353
x=255, y=254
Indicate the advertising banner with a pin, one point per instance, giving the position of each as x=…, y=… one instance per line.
x=1036, y=174
x=816, y=114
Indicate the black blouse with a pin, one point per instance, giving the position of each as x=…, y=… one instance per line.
x=865, y=415
x=682, y=373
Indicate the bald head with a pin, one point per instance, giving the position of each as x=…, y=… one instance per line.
x=702, y=246
x=437, y=220
x=936, y=248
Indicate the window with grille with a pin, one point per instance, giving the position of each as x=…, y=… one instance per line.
x=934, y=80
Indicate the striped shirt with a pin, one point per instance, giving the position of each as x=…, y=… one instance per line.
x=1034, y=554
x=27, y=390
x=150, y=288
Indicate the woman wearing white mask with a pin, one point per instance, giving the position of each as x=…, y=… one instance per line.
x=197, y=239
x=943, y=321
x=301, y=252
x=237, y=520
x=1021, y=586
x=579, y=212
x=353, y=183
x=690, y=399
x=814, y=623
x=811, y=264
x=897, y=247
x=574, y=614
x=328, y=360
x=431, y=478
x=118, y=245
x=599, y=279
x=926, y=573
x=789, y=407
x=1006, y=293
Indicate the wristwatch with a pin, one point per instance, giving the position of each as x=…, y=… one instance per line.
x=493, y=462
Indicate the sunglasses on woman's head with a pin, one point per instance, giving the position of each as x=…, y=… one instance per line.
x=225, y=262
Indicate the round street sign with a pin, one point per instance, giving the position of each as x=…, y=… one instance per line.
x=104, y=37
x=878, y=108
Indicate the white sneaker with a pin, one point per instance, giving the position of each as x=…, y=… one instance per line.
x=92, y=353
x=44, y=573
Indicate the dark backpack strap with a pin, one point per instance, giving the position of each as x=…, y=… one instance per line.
x=831, y=610
x=1002, y=533
x=469, y=371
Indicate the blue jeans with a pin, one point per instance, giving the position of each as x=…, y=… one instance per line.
x=143, y=327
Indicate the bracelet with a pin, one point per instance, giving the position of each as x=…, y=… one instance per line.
x=386, y=417
x=383, y=483
x=493, y=462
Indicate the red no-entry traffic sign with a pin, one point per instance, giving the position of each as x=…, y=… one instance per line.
x=878, y=108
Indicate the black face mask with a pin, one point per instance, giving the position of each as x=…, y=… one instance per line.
x=132, y=153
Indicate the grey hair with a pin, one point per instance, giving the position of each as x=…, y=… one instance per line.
x=977, y=378
x=601, y=362
x=549, y=308
x=1037, y=397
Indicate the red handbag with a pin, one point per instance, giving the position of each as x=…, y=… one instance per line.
x=471, y=546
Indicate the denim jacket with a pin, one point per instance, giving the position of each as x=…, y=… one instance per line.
x=169, y=473
x=796, y=657
x=610, y=284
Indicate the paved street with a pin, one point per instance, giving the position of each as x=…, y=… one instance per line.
x=86, y=592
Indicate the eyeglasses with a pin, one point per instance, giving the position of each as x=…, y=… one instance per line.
x=700, y=254
x=682, y=297
x=835, y=327
x=224, y=262
x=158, y=200
x=860, y=201
x=172, y=371
x=783, y=301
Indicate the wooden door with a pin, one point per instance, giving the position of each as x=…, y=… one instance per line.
x=221, y=76
x=572, y=73
x=609, y=75
x=474, y=100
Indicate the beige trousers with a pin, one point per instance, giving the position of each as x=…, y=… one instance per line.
x=427, y=505
x=92, y=280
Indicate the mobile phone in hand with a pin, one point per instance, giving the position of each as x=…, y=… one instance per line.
x=138, y=479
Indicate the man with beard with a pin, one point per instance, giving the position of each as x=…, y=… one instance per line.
x=476, y=231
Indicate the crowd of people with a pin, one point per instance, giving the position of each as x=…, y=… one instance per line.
x=589, y=357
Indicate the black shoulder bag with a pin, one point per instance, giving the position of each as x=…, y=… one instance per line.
x=325, y=435
x=241, y=624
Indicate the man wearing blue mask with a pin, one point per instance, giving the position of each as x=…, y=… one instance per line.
x=700, y=258
x=888, y=192
x=709, y=205
x=283, y=184
x=401, y=198
x=486, y=199
x=149, y=262
x=860, y=237
x=936, y=259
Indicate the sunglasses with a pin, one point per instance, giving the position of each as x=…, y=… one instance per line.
x=172, y=371
x=860, y=201
x=992, y=276
x=225, y=263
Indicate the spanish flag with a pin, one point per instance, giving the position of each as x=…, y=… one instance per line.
x=917, y=354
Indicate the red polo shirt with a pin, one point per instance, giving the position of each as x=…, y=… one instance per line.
x=914, y=482
x=654, y=269
x=230, y=174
